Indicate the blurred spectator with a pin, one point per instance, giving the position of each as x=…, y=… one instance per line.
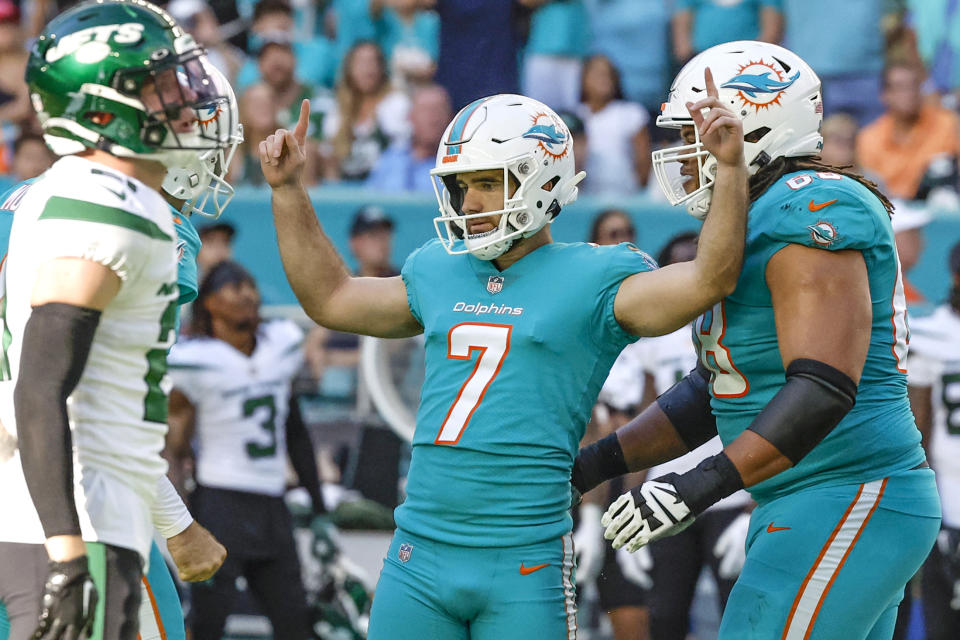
x=406, y=165
x=216, y=245
x=371, y=243
x=480, y=41
x=14, y=102
x=31, y=157
x=844, y=43
x=198, y=19
x=232, y=409
x=258, y=114
x=899, y=145
x=701, y=24
x=618, y=144
x=351, y=21
x=908, y=221
x=367, y=118
x=410, y=42
x=936, y=29
x=839, y=141
x=634, y=35
x=579, y=133
x=612, y=226
x=232, y=26
x=553, y=58
x=273, y=21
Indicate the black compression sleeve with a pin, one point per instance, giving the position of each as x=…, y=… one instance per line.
x=814, y=400
x=300, y=450
x=596, y=463
x=56, y=343
x=712, y=480
x=687, y=405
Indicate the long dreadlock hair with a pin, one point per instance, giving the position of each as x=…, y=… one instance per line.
x=222, y=274
x=773, y=171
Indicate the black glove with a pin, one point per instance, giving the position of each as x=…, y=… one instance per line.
x=69, y=602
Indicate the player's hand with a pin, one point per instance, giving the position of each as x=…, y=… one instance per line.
x=648, y=512
x=588, y=543
x=282, y=153
x=731, y=547
x=326, y=538
x=69, y=602
x=636, y=566
x=721, y=131
x=196, y=553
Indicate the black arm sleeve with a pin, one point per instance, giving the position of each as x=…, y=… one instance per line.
x=300, y=450
x=687, y=405
x=814, y=400
x=56, y=344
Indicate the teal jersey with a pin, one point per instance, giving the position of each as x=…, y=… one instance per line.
x=514, y=362
x=188, y=246
x=8, y=204
x=737, y=340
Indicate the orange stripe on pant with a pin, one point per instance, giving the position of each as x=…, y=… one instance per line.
x=156, y=611
x=841, y=541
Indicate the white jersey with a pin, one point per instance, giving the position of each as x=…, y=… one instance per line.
x=934, y=362
x=241, y=405
x=668, y=359
x=623, y=388
x=118, y=411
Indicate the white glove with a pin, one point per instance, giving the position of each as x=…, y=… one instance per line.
x=588, y=543
x=636, y=566
x=731, y=547
x=648, y=512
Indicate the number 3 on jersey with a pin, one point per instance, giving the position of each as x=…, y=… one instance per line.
x=493, y=343
x=709, y=329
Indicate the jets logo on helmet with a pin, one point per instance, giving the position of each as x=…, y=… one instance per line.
x=123, y=77
x=533, y=148
x=771, y=89
x=756, y=85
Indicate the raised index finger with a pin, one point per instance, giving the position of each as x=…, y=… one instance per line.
x=708, y=80
x=300, y=131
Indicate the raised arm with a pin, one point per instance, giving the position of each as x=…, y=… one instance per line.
x=314, y=268
x=658, y=302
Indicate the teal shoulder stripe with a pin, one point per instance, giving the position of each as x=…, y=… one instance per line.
x=59, y=208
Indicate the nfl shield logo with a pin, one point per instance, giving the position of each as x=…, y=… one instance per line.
x=405, y=550
x=495, y=284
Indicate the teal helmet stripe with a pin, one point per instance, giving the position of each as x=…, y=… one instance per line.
x=456, y=132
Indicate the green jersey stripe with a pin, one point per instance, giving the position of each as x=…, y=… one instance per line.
x=59, y=208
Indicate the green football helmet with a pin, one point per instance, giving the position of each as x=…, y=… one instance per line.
x=123, y=76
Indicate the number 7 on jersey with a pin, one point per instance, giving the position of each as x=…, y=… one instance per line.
x=493, y=343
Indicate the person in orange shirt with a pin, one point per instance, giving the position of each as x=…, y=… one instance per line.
x=899, y=145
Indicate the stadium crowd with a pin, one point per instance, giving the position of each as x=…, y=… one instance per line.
x=384, y=78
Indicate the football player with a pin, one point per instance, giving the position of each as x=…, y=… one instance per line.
x=520, y=333
x=802, y=371
x=232, y=399
x=117, y=86
x=934, y=379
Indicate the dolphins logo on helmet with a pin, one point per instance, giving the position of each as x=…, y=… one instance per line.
x=759, y=89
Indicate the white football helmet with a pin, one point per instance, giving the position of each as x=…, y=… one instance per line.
x=774, y=92
x=528, y=142
x=201, y=182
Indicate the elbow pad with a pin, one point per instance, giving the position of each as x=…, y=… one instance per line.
x=814, y=400
x=687, y=405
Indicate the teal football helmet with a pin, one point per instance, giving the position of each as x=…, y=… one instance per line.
x=123, y=76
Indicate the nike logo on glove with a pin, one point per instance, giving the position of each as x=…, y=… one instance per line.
x=816, y=207
x=771, y=528
x=525, y=571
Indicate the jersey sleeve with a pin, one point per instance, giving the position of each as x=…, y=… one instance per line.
x=289, y=337
x=828, y=213
x=111, y=236
x=409, y=273
x=623, y=261
x=186, y=366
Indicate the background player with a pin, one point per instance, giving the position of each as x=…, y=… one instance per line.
x=520, y=333
x=934, y=378
x=71, y=257
x=817, y=322
x=232, y=398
